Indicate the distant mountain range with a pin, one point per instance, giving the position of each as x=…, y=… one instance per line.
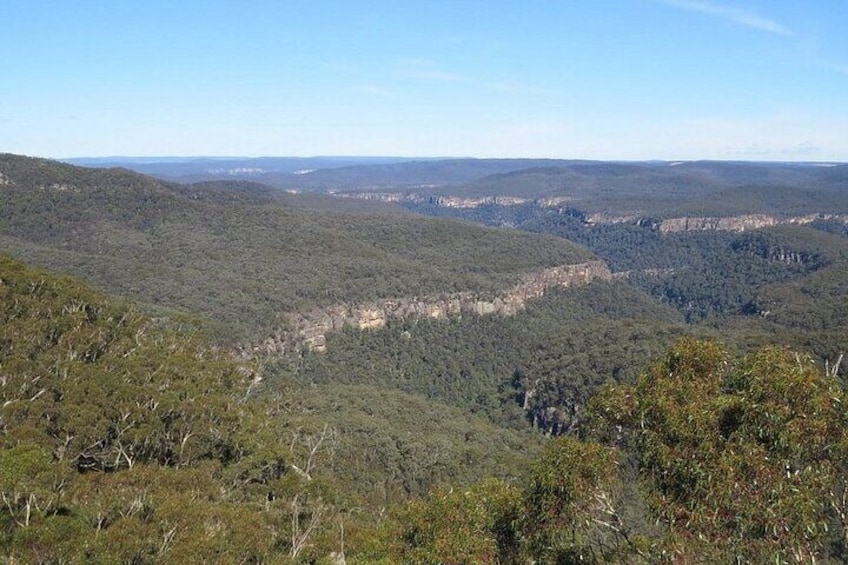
x=212, y=168
x=595, y=186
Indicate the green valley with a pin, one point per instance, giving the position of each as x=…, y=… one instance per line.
x=616, y=363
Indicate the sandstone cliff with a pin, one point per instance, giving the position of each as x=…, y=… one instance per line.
x=600, y=218
x=738, y=223
x=672, y=225
x=309, y=330
x=447, y=201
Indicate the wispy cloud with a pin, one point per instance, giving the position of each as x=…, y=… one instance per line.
x=732, y=14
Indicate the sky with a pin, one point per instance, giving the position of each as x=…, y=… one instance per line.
x=594, y=79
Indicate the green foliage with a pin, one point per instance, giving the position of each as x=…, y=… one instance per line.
x=538, y=366
x=30, y=484
x=737, y=461
x=777, y=198
x=815, y=302
x=743, y=459
x=391, y=445
x=563, y=480
x=118, y=437
x=103, y=388
x=704, y=274
x=477, y=524
x=569, y=512
x=127, y=442
x=124, y=439
x=241, y=258
x=566, y=512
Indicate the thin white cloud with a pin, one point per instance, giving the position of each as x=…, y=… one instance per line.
x=732, y=14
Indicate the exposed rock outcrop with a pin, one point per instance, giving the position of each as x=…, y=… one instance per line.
x=309, y=330
x=790, y=257
x=393, y=197
x=741, y=223
x=600, y=218
x=738, y=223
x=459, y=202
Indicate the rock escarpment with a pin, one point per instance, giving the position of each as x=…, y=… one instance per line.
x=448, y=201
x=600, y=218
x=738, y=223
x=741, y=223
x=309, y=330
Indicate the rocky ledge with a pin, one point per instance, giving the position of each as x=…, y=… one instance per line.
x=309, y=330
x=739, y=223
x=447, y=201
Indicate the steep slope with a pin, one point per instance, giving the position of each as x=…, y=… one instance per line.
x=242, y=257
x=126, y=442
x=535, y=368
x=309, y=330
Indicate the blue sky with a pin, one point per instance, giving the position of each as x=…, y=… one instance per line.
x=597, y=79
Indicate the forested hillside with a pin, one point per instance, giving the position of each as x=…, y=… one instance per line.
x=782, y=283
x=123, y=441
x=538, y=367
x=684, y=409
x=127, y=442
x=240, y=260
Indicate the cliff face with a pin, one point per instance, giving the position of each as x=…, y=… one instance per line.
x=459, y=202
x=447, y=201
x=672, y=225
x=608, y=219
x=738, y=223
x=310, y=330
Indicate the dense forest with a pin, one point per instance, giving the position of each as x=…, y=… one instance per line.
x=237, y=257
x=127, y=442
x=687, y=410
